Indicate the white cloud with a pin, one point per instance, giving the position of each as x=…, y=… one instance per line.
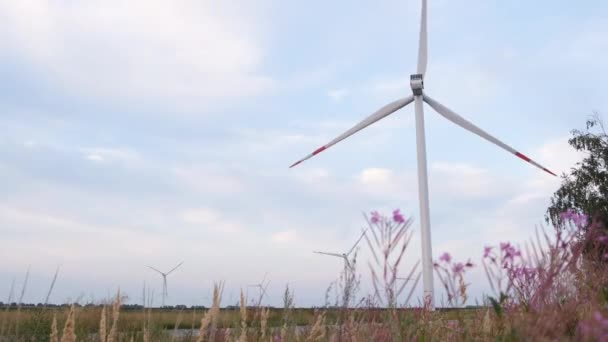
x=104, y=154
x=464, y=180
x=376, y=176
x=202, y=216
x=313, y=175
x=209, y=219
x=461, y=169
x=284, y=236
x=94, y=157
x=558, y=155
x=338, y=94
x=209, y=179
x=183, y=52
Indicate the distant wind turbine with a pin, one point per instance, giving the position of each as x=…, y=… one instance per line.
x=344, y=256
x=165, y=293
x=418, y=96
x=262, y=286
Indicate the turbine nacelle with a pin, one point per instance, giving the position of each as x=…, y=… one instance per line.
x=417, y=84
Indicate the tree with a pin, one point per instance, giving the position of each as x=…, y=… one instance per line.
x=585, y=189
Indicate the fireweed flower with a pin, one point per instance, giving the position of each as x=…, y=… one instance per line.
x=509, y=252
x=397, y=217
x=375, y=217
x=486, y=251
x=578, y=219
x=603, y=239
x=567, y=215
x=445, y=257
x=458, y=268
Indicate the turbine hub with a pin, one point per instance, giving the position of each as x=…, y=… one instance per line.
x=417, y=84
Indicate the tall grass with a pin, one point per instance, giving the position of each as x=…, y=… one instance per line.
x=555, y=288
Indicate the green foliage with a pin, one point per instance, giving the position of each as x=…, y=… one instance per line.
x=604, y=295
x=37, y=326
x=585, y=189
x=497, y=304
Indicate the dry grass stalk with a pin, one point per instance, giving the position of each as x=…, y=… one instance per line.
x=69, y=334
x=5, y=317
x=317, y=333
x=205, y=321
x=113, y=335
x=211, y=316
x=48, y=295
x=264, y=321
x=351, y=328
x=103, y=325
x=284, y=332
x=487, y=323
x=243, y=310
x=27, y=276
x=54, y=331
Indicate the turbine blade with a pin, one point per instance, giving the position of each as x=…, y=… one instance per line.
x=378, y=115
x=356, y=243
x=422, y=43
x=174, y=268
x=331, y=254
x=156, y=270
x=462, y=122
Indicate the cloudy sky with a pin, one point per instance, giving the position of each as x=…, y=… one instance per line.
x=138, y=133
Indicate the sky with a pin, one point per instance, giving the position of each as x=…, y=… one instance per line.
x=153, y=132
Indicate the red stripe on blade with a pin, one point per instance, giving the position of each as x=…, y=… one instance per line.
x=294, y=164
x=319, y=150
x=522, y=156
x=550, y=172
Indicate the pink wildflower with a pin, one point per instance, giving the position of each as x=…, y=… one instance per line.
x=397, y=217
x=445, y=257
x=458, y=268
x=375, y=217
x=486, y=251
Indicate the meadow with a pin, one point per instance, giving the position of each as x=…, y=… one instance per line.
x=553, y=289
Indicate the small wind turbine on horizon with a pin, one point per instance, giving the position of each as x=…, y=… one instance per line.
x=262, y=286
x=165, y=293
x=344, y=256
x=418, y=97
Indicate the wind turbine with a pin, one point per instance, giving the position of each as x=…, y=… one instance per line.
x=164, y=275
x=418, y=97
x=345, y=256
x=262, y=286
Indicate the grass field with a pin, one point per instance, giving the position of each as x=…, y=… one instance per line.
x=184, y=325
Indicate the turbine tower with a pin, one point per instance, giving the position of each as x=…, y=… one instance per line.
x=165, y=293
x=418, y=97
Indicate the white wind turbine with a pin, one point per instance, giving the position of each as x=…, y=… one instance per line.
x=418, y=97
x=165, y=293
x=344, y=256
x=262, y=286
